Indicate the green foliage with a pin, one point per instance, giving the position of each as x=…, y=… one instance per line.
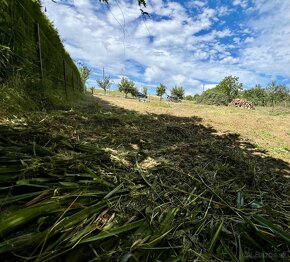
x=223, y=93
x=210, y=97
x=20, y=45
x=84, y=73
x=178, y=91
x=160, y=90
x=126, y=86
x=277, y=93
x=257, y=95
x=12, y=102
x=230, y=87
x=196, y=97
x=272, y=95
x=189, y=98
x=105, y=83
x=145, y=91
x=5, y=55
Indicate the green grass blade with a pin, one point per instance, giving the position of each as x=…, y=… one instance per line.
x=275, y=229
x=23, y=216
x=114, y=191
x=215, y=237
x=12, y=199
x=114, y=232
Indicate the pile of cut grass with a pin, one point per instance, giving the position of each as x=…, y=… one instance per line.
x=99, y=185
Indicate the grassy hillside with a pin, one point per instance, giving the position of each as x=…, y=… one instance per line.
x=24, y=50
x=267, y=128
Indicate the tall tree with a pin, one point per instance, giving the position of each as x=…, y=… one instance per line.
x=105, y=83
x=277, y=93
x=160, y=90
x=257, y=95
x=229, y=86
x=85, y=74
x=145, y=91
x=126, y=86
x=178, y=91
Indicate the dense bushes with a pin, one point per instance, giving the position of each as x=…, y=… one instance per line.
x=229, y=88
x=272, y=95
x=222, y=94
x=212, y=98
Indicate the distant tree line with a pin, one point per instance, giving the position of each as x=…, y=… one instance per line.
x=230, y=88
x=127, y=86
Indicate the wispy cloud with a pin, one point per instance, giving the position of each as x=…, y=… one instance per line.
x=190, y=43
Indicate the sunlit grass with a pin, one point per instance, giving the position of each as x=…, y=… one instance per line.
x=266, y=127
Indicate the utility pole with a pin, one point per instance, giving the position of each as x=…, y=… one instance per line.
x=103, y=73
x=202, y=87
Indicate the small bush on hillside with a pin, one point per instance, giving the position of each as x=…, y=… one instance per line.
x=189, y=98
x=223, y=93
x=178, y=91
x=212, y=98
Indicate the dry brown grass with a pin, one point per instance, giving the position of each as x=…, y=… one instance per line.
x=267, y=128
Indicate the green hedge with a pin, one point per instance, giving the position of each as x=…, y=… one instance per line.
x=212, y=98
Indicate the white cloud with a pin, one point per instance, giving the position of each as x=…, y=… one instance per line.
x=269, y=52
x=249, y=40
x=242, y=3
x=171, y=49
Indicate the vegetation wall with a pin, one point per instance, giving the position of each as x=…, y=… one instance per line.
x=32, y=56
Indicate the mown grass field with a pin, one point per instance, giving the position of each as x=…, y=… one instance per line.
x=101, y=182
x=268, y=128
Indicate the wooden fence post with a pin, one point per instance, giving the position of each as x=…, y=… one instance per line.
x=40, y=55
x=72, y=80
x=64, y=76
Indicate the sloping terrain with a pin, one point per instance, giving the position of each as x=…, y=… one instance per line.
x=266, y=127
x=101, y=183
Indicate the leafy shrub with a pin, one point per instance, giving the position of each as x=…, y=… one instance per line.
x=230, y=87
x=178, y=91
x=126, y=86
x=160, y=90
x=212, y=98
x=189, y=98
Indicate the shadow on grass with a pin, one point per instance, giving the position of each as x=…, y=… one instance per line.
x=171, y=165
x=174, y=137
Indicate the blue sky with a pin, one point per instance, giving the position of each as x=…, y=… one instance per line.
x=190, y=43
